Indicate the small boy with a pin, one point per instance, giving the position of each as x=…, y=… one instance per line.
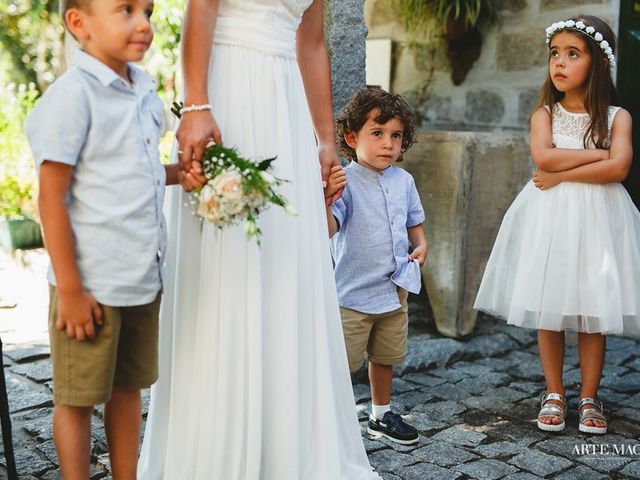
x=94, y=136
x=371, y=226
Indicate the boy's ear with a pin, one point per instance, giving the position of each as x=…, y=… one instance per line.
x=76, y=23
x=352, y=139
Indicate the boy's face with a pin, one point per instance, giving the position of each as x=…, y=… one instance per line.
x=114, y=31
x=377, y=145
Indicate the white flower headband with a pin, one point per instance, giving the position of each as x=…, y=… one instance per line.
x=587, y=30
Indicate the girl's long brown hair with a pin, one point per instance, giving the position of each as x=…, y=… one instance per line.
x=601, y=92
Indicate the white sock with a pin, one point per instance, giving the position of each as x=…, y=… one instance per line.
x=378, y=411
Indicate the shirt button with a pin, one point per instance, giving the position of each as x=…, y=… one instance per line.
x=386, y=190
x=159, y=253
x=148, y=141
x=158, y=182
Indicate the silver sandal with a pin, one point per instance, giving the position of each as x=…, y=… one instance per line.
x=552, y=410
x=593, y=413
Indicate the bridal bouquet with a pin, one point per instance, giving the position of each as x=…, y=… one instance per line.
x=237, y=189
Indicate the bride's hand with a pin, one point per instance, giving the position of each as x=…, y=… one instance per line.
x=194, y=133
x=328, y=159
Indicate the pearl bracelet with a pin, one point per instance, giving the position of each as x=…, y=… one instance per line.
x=195, y=108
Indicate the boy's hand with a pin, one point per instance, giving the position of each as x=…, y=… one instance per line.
x=336, y=181
x=420, y=253
x=77, y=312
x=193, y=178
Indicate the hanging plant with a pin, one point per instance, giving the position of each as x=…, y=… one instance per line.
x=455, y=22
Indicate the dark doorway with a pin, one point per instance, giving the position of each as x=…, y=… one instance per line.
x=629, y=83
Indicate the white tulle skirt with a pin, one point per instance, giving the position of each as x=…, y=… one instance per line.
x=254, y=383
x=567, y=258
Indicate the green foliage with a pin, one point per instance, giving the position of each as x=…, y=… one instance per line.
x=17, y=175
x=30, y=34
x=430, y=17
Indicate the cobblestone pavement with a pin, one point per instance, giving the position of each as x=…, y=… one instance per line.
x=473, y=400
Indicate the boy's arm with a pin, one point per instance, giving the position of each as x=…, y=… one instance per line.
x=614, y=169
x=551, y=159
x=419, y=243
x=77, y=309
x=331, y=222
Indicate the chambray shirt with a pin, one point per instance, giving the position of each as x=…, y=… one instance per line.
x=91, y=119
x=371, y=247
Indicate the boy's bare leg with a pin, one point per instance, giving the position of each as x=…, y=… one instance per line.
x=122, y=422
x=380, y=377
x=72, y=437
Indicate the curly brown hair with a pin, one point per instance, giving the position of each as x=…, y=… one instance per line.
x=385, y=106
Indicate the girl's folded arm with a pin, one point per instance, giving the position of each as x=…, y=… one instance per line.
x=551, y=159
x=615, y=168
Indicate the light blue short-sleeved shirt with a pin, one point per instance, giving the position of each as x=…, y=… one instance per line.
x=371, y=247
x=109, y=132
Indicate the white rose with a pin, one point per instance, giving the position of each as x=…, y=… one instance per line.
x=609, y=51
x=580, y=24
x=561, y=25
x=604, y=45
x=209, y=204
x=570, y=23
x=233, y=206
x=228, y=185
x=598, y=36
x=550, y=30
x=590, y=30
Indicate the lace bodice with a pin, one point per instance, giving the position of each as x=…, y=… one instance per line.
x=273, y=12
x=568, y=128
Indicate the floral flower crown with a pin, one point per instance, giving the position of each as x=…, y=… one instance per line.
x=586, y=30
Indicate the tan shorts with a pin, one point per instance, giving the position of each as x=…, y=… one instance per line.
x=383, y=336
x=124, y=354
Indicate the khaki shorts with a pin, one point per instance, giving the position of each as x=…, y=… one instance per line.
x=124, y=354
x=383, y=336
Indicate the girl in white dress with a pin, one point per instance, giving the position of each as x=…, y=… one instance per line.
x=567, y=256
x=254, y=383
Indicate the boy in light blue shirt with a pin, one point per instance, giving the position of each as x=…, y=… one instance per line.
x=371, y=226
x=94, y=135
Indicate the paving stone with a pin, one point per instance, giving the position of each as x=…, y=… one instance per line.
x=388, y=460
x=604, y=464
x=361, y=393
x=486, y=381
x=48, y=449
x=407, y=401
x=620, y=356
x=634, y=364
x=500, y=449
x=31, y=462
x=424, y=379
x=522, y=476
x=523, y=434
x=621, y=344
x=631, y=401
x=460, y=436
x=39, y=372
x=441, y=411
x=487, y=404
x=449, y=392
x=629, y=383
x=372, y=445
x=486, y=469
x=524, y=336
x=448, y=374
x=561, y=445
x=623, y=427
x=527, y=387
x=427, y=471
x=389, y=476
x=491, y=345
x=427, y=353
x=633, y=470
x=582, y=473
x=540, y=463
x=473, y=369
x=629, y=414
x=399, y=385
x=443, y=454
x=424, y=424
x=22, y=354
x=498, y=364
x=23, y=396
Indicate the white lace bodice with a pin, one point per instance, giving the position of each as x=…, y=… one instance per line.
x=273, y=12
x=568, y=128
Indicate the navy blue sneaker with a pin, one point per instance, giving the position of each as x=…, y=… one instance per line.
x=393, y=427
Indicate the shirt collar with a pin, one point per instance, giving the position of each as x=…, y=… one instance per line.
x=367, y=171
x=106, y=76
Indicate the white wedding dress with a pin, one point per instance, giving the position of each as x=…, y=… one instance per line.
x=567, y=258
x=254, y=383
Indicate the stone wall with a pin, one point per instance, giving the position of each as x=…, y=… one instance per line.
x=466, y=181
x=502, y=87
